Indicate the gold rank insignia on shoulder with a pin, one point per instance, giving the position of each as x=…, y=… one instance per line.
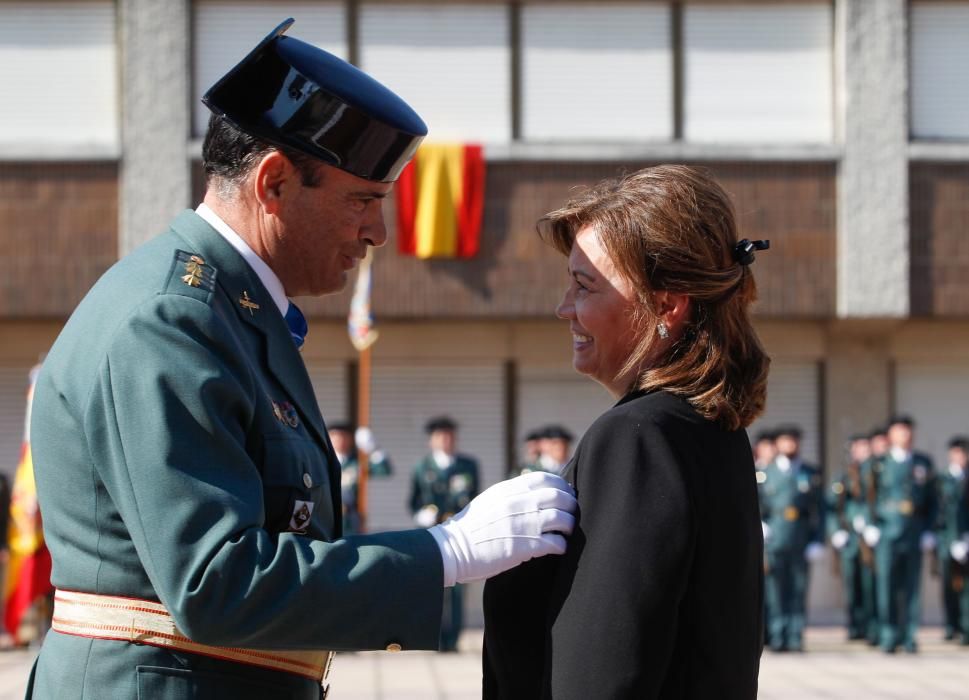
x=248, y=304
x=196, y=273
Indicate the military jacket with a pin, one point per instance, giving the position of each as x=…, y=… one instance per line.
x=848, y=506
x=907, y=499
x=181, y=457
x=448, y=490
x=953, y=509
x=792, y=504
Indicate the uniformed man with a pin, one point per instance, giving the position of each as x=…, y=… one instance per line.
x=189, y=490
x=531, y=452
x=792, y=512
x=444, y=482
x=905, y=514
x=848, y=513
x=952, y=531
x=764, y=449
x=347, y=444
x=555, y=449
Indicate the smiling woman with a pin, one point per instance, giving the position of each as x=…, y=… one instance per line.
x=659, y=594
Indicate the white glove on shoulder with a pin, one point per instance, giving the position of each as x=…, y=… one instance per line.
x=814, y=552
x=507, y=524
x=364, y=440
x=839, y=539
x=766, y=528
x=871, y=534
x=928, y=542
x=959, y=550
x=426, y=517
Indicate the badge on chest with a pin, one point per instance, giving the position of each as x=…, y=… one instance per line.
x=302, y=513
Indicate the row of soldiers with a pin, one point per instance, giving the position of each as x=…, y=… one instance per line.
x=882, y=514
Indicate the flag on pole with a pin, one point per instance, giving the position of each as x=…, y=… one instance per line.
x=28, y=571
x=440, y=201
x=360, y=322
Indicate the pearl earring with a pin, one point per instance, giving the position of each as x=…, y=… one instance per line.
x=663, y=331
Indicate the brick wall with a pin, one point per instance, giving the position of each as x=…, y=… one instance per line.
x=58, y=234
x=939, y=239
x=515, y=275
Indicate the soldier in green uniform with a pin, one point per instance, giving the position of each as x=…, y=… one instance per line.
x=905, y=514
x=952, y=528
x=444, y=482
x=347, y=444
x=792, y=510
x=189, y=489
x=848, y=513
x=532, y=451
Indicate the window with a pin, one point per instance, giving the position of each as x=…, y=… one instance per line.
x=597, y=72
x=450, y=62
x=939, y=74
x=758, y=72
x=226, y=30
x=59, y=75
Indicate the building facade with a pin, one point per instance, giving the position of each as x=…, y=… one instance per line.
x=839, y=127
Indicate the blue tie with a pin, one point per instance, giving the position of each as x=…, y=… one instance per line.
x=297, y=324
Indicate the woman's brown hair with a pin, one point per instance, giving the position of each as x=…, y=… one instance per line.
x=672, y=228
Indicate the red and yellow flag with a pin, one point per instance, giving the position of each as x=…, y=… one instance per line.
x=440, y=201
x=28, y=571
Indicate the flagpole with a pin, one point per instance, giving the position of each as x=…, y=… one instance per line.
x=363, y=420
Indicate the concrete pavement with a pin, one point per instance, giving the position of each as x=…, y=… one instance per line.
x=830, y=668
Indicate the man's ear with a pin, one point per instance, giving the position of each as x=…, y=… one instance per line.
x=271, y=179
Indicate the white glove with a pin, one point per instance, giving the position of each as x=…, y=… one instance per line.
x=839, y=539
x=509, y=523
x=363, y=437
x=426, y=516
x=766, y=528
x=871, y=534
x=858, y=524
x=927, y=542
x=814, y=552
x=959, y=550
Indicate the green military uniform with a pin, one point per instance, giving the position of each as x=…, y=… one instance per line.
x=849, y=511
x=378, y=465
x=792, y=506
x=953, y=525
x=906, y=508
x=447, y=491
x=180, y=457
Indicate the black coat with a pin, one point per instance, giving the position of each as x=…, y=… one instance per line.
x=660, y=592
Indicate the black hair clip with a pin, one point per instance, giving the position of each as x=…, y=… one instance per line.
x=743, y=252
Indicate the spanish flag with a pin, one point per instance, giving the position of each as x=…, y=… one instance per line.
x=440, y=201
x=28, y=571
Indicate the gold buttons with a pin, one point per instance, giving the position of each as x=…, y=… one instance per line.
x=307, y=480
x=393, y=647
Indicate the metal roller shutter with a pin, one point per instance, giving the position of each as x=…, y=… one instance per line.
x=617, y=56
x=450, y=62
x=72, y=81
x=940, y=82
x=226, y=30
x=758, y=72
x=13, y=407
x=558, y=395
x=332, y=393
x=793, y=396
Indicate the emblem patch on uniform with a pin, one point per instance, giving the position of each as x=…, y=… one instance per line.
x=285, y=413
x=791, y=513
x=460, y=482
x=302, y=512
x=905, y=507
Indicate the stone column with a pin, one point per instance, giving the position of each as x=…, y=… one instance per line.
x=873, y=197
x=155, y=178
